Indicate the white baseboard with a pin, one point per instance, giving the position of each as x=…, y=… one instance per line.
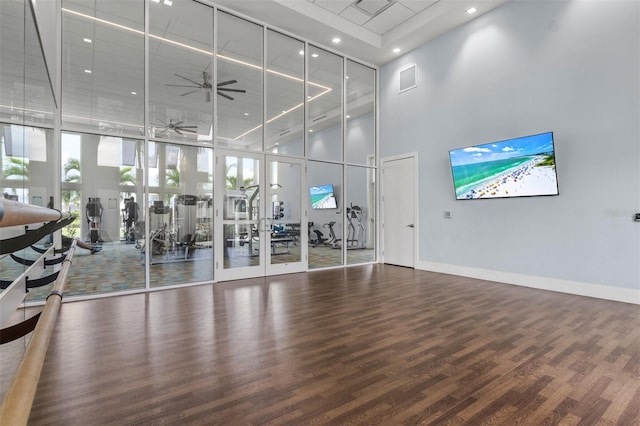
x=599, y=291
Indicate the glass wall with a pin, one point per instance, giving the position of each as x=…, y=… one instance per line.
x=360, y=214
x=326, y=207
x=180, y=71
x=360, y=142
x=102, y=185
x=103, y=66
x=324, y=105
x=285, y=95
x=26, y=95
x=143, y=197
x=180, y=214
x=239, y=84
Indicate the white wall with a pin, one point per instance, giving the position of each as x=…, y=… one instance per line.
x=571, y=67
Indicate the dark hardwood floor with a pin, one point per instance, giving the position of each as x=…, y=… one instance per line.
x=373, y=344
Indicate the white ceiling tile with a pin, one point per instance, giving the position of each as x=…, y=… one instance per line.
x=418, y=5
x=373, y=7
x=392, y=17
x=355, y=16
x=335, y=6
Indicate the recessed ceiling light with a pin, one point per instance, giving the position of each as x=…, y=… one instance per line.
x=396, y=50
x=310, y=130
x=471, y=10
x=168, y=2
x=315, y=55
x=246, y=113
x=156, y=1
x=336, y=40
x=301, y=52
x=277, y=144
x=87, y=71
x=348, y=116
x=87, y=40
x=134, y=93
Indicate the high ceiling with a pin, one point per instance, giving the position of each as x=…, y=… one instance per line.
x=103, y=62
x=369, y=29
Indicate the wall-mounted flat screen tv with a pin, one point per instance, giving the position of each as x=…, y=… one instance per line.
x=519, y=167
x=322, y=197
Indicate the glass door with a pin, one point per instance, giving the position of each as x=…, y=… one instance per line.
x=239, y=215
x=260, y=215
x=286, y=216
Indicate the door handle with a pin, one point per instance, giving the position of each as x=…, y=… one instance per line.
x=411, y=225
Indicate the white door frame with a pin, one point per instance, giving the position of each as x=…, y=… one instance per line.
x=415, y=195
x=263, y=223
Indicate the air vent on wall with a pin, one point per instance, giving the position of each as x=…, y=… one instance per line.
x=373, y=7
x=408, y=78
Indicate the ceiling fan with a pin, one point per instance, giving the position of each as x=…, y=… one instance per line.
x=207, y=86
x=177, y=127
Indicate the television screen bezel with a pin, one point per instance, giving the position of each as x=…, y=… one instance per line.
x=333, y=197
x=555, y=170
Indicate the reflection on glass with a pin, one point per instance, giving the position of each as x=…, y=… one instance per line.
x=26, y=95
x=285, y=95
x=360, y=215
x=100, y=177
x=324, y=105
x=241, y=212
x=103, y=65
x=360, y=141
x=239, y=81
x=285, y=215
x=180, y=212
x=180, y=71
x=325, y=221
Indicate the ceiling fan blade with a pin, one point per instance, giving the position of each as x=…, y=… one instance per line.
x=177, y=131
x=231, y=90
x=183, y=129
x=225, y=83
x=190, y=92
x=224, y=95
x=178, y=123
x=207, y=96
x=189, y=80
x=182, y=85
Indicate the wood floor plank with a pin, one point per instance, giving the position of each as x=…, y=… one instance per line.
x=373, y=344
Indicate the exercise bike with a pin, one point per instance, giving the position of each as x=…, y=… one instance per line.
x=321, y=240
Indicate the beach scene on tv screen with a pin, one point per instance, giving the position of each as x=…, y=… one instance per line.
x=519, y=167
x=322, y=197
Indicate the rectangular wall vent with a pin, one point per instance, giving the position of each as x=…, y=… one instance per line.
x=408, y=79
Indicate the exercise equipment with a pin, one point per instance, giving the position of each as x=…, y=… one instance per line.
x=130, y=218
x=355, y=228
x=184, y=217
x=93, y=210
x=332, y=241
x=161, y=239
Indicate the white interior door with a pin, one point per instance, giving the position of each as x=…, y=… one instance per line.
x=399, y=195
